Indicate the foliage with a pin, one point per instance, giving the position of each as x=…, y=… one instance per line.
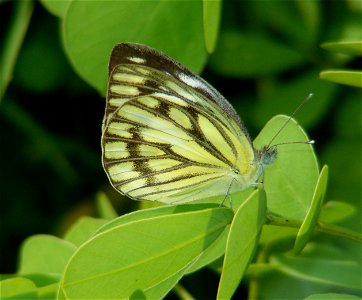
x=295, y=238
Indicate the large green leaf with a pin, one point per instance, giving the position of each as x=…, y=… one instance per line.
x=242, y=241
x=92, y=28
x=141, y=254
x=153, y=213
x=290, y=181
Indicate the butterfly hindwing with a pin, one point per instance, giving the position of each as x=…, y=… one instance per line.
x=168, y=135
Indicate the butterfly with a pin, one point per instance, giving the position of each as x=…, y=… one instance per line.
x=169, y=136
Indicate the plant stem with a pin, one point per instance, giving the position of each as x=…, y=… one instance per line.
x=18, y=26
x=320, y=227
x=182, y=292
x=339, y=231
x=254, y=284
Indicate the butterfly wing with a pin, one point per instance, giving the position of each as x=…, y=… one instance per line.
x=167, y=134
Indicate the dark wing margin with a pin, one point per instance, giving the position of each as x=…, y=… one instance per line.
x=131, y=53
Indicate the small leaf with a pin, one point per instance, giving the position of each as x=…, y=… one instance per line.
x=18, y=288
x=332, y=296
x=45, y=254
x=336, y=211
x=105, y=207
x=271, y=234
x=153, y=213
x=284, y=95
x=57, y=8
x=353, y=78
x=348, y=47
x=242, y=241
x=251, y=54
x=141, y=254
x=212, y=13
x=321, y=264
x=83, y=229
x=306, y=230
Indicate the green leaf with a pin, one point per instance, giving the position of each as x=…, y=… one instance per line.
x=217, y=249
x=212, y=13
x=105, y=207
x=44, y=254
x=353, y=78
x=48, y=292
x=290, y=181
x=321, y=264
x=310, y=12
x=332, y=296
x=18, y=288
x=42, y=66
x=283, y=96
x=271, y=234
x=250, y=54
x=57, y=8
x=160, y=290
x=347, y=47
x=213, y=252
x=83, y=229
x=91, y=29
x=144, y=253
x=336, y=211
x=242, y=240
x=308, y=225
x=153, y=213
x=287, y=21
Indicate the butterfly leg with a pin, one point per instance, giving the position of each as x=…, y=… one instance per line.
x=228, y=195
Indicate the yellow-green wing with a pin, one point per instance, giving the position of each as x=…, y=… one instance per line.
x=168, y=136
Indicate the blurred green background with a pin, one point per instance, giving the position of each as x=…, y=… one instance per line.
x=267, y=60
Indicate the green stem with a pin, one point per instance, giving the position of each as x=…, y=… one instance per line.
x=182, y=292
x=13, y=40
x=320, y=227
x=254, y=283
x=339, y=231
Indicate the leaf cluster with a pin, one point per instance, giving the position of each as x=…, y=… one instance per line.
x=285, y=240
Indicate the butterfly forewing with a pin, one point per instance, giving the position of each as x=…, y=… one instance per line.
x=169, y=136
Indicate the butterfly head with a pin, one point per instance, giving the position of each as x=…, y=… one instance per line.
x=267, y=155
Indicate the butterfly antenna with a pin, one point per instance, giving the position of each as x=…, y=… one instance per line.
x=306, y=99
